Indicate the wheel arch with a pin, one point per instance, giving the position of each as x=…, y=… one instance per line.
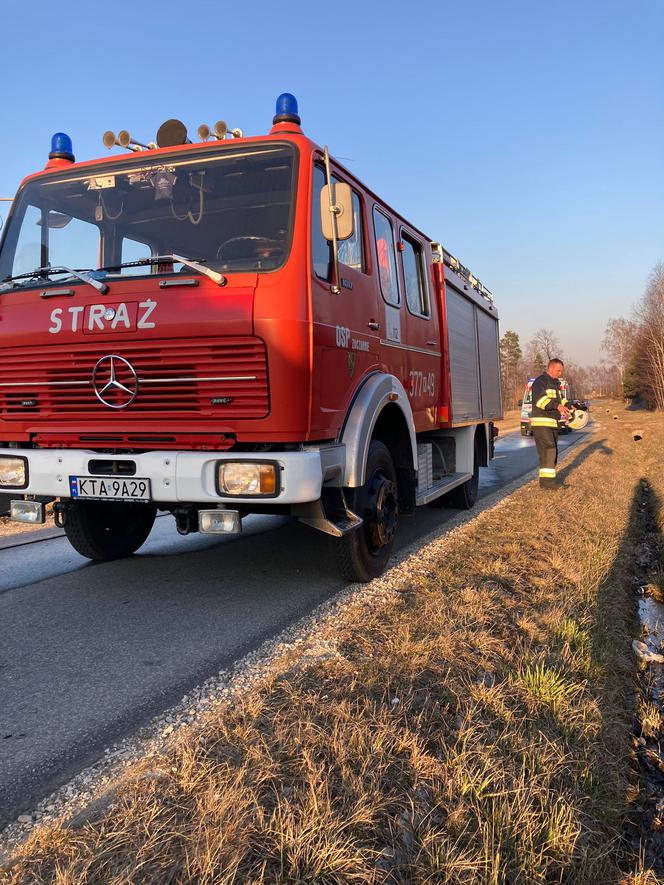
x=380, y=410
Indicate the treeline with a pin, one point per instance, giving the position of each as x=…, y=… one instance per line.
x=635, y=350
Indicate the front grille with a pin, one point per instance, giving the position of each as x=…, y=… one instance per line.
x=211, y=378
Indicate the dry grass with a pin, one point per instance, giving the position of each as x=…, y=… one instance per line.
x=473, y=728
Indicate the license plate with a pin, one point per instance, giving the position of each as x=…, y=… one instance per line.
x=107, y=488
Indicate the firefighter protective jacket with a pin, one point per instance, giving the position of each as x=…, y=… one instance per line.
x=547, y=396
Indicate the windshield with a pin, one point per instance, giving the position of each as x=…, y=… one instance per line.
x=232, y=210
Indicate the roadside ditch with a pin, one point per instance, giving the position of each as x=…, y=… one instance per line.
x=645, y=822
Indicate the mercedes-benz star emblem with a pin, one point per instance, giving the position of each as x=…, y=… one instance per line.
x=115, y=382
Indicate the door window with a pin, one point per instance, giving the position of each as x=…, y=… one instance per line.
x=414, y=277
x=387, y=265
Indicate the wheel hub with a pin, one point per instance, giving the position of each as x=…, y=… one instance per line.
x=382, y=511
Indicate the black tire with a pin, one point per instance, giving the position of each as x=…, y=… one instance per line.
x=524, y=431
x=364, y=553
x=103, y=530
x=464, y=497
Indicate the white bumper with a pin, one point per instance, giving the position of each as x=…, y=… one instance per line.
x=175, y=477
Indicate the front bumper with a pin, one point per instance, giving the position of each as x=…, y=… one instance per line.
x=175, y=477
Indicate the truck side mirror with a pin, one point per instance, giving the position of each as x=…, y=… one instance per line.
x=520, y=403
x=340, y=204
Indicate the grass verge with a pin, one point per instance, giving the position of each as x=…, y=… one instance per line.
x=472, y=725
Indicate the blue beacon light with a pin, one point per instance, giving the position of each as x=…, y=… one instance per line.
x=61, y=148
x=286, y=109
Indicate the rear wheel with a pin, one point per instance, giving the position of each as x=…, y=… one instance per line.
x=364, y=553
x=524, y=431
x=464, y=496
x=103, y=530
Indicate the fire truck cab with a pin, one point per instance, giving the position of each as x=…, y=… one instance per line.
x=235, y=326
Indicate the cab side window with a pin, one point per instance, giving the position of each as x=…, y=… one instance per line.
x=350, y=250
x=387, y=265
x=414, y=276
x=351, y=253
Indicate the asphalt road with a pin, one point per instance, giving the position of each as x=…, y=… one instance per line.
x=90, y=652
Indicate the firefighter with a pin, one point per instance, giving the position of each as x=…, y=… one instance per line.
x=549, y=405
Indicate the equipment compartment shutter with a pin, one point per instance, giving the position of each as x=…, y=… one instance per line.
x=487, y=333
x=462, y=336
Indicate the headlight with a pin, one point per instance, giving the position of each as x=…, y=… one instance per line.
x=13, y=472
x=248, y=478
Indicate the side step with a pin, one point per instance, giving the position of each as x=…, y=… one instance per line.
x=441, y=487
x=338, y=528
x=330, y=514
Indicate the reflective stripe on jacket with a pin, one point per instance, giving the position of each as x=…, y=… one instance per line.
x=546, y=397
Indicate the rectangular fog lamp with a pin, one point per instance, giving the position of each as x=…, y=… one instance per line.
x=247, y=478
x=27, y=511
x=13, y=472
x=219, y=522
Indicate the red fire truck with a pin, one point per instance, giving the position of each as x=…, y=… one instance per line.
x=234, y=326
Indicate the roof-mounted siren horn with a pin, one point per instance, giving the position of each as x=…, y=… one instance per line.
x=286, y=110
x=172, y=133
x=61, y=148
x=221, y=130
x=123, y=139
x=126, y=141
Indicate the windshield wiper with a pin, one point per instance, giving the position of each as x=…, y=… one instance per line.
x=194, y=264
x=84, y=275
x=47, y=271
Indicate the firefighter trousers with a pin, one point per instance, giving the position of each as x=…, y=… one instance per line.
x=546, y=440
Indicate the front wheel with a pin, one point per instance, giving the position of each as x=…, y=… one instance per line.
x=364, y=553
x=103, y=530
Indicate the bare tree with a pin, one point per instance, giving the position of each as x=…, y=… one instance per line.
x=534, y=360
x=618, y=343
x=647, y=365
x=547, y=343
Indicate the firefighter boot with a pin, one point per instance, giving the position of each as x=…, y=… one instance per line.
x=547, y=450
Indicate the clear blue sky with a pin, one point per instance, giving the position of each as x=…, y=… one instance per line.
x=527, y=136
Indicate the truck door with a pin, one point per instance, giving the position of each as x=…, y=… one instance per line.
x=394, y=355
x=346, y=325
x=421, y=333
